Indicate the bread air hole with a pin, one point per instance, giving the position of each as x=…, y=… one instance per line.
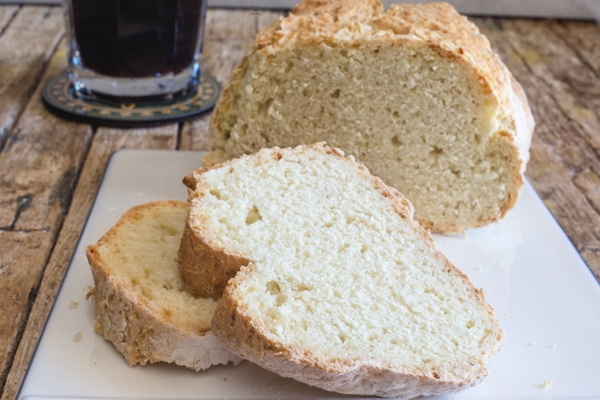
x=147, y=294
x=216, y=193
x=436, y=151
x=253, y=215
x=302, y=287
x=273, y=288
x=396, y=142
x=263, y=108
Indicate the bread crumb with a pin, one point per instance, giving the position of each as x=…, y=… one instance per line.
x=552, y=347
x=546, y=385
x=78, y=337
x=73, y=304
x=225, y=379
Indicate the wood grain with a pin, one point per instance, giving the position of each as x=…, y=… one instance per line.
x=51, y=169
x=582, y=37
x=31, y=249
x=6, y=15
x=30, y=35
x=105, y=142
x=39, y=167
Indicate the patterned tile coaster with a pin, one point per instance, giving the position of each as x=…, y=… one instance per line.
x=58, y=96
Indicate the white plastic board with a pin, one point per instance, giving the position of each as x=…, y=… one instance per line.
x=545, y=297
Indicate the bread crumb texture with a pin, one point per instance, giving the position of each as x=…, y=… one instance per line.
x=142, y=259
x=344, y=290
x=139, y=296
x=415, y=92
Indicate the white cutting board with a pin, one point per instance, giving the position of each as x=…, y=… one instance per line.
x=545, y=297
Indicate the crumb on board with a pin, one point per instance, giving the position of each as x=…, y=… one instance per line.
x=78, y=337
x=73, y=304
x=546, y=384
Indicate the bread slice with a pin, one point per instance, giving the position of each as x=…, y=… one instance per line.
x=139, y=297
x=415, y=93
x=341, y=289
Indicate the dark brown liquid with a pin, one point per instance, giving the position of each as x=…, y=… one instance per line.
x=137, y=38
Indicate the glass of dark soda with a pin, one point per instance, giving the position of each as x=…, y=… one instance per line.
x=134, y=50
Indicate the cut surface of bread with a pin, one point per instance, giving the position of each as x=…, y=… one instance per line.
x=139, y=297
x=340, y=288
x=415, y=93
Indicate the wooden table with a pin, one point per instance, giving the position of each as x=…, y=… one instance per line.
x=50, y=168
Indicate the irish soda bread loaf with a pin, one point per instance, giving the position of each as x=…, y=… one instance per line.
x=138, y=295
x=415, y=93
x=340, y=288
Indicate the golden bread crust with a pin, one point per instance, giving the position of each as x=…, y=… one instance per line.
x=205, y=264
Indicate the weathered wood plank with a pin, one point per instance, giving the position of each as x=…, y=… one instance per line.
x=265, y=19
x=38, y=169
x=228, y=35
x=31, y=249
x=565, y=153
x=7, y=13
x=48, y=193
x=39, y=165
x=25, y=49
x=584, y=38
x=105, y=142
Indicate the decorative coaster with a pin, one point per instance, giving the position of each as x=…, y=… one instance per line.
x=58, y=96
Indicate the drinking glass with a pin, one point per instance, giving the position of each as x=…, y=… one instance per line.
x=134, y=50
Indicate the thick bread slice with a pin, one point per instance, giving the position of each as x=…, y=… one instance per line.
x=342, y=289
x=415, y=93
x=139, y=297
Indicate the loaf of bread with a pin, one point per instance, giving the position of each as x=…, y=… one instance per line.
x=336, y=286
x=139, y=297
x=415, y=93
